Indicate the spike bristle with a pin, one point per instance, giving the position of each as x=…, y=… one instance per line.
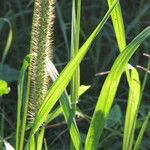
x=41, y=46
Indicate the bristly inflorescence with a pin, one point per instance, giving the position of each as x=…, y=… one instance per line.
x=41, y=47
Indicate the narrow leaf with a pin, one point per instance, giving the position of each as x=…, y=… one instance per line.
x=118, y=25
x=20, y=97
x=66, y=109
x=140, y=136
x=9, y=39
x=132, y=109
x=109, y=89
x=40, y=138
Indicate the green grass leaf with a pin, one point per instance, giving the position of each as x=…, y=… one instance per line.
x=60, y=84
x=66, y=108
x=20, y=129
x=118, y=25
x=132, y=109
x=75, y=36
x=40, y=138
x=9, y=40
x=140, y=136
x=109, y=89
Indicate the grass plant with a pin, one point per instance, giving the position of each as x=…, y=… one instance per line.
x=43, y=95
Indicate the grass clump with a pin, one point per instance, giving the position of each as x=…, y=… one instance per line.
x=44, y=100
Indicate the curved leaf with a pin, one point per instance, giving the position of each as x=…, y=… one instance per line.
x=109, y=89
x=60, y=84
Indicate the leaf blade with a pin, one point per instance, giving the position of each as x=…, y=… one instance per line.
x=47, y=105
x=109, y=89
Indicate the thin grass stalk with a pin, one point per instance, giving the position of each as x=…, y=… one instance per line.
x=145, y=79
x=9, y=40
x=20, y=100
x=75, y=34
x=132, y=109
x=40, y=138
x=139, y=139
x=31, y=145
x=45, y=145
x=75, y=82
x=24, y=118
x=140, y=136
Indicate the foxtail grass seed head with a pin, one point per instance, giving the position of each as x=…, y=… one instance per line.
x=42, y=47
